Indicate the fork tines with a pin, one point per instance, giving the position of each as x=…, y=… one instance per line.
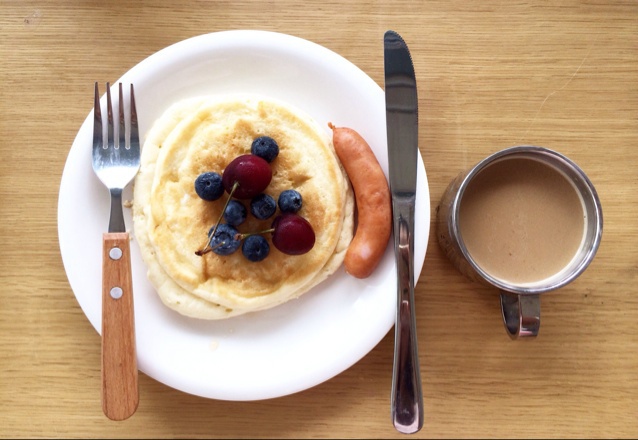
x=115, y=126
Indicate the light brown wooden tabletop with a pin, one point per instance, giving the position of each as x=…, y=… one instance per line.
x=491, y=74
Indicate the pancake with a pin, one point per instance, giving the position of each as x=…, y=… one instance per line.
x=171, y=222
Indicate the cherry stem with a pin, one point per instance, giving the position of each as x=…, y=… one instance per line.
x=207, y=248
x=242, y=236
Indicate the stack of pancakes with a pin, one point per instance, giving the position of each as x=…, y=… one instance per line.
x=171, y=222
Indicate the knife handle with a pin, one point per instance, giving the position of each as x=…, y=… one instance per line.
x=407, y=396
x=120, y=396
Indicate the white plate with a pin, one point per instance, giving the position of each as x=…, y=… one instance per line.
x=267, y=354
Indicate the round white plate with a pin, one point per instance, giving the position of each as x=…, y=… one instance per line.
x=267, y=354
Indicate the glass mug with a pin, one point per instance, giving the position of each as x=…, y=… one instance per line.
x=525, y=220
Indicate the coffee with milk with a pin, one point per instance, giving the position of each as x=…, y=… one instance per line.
x=521, y=220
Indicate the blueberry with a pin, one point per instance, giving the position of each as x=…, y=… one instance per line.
x=209, y=186
x=265, y=147
x=226, y=239
x=263, y=206
x=235, y=213
x=290, y=201
x=255, y=248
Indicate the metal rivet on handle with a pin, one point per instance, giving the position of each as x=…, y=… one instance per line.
x=116, y=292
x=115, y=253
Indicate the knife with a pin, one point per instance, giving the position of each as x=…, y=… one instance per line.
x=402, y=131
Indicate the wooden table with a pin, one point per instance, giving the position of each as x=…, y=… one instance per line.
x=562, y=74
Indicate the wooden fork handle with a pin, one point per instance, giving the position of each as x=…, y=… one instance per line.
x=119, y=360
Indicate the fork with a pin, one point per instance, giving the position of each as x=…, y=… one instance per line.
x=116, y=162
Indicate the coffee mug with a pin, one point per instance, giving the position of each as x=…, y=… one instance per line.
x=525, y=220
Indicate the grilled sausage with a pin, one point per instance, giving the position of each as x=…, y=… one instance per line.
x=372, y=195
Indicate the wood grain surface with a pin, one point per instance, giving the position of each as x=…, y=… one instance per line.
x=561, y=74
x=120, y=376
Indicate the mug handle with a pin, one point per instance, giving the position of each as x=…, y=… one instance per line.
x=521, y=314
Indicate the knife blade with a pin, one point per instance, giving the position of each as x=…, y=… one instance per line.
x=402, y=136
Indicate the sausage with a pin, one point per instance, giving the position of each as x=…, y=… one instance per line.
x=373, y=201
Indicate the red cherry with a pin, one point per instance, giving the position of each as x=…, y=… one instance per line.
x=251, y=173
x=293, y=234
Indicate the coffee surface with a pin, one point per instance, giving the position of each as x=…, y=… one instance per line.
x=522, y=221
